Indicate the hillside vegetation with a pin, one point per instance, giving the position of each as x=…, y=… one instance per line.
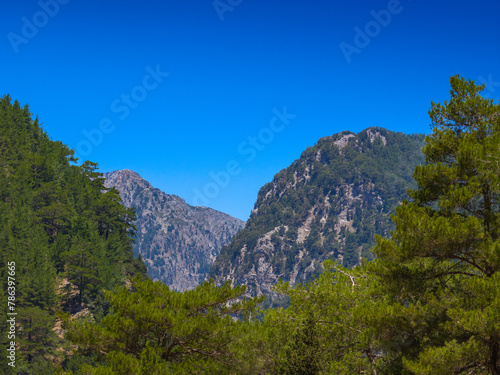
x=64, y=235
x=328, y=204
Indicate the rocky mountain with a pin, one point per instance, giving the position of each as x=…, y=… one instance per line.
x=177, y=242
x=328, y=204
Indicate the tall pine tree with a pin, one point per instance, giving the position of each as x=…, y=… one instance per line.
x=441, y=267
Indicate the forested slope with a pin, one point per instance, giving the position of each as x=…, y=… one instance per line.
x=64, y=235
x=328, y=204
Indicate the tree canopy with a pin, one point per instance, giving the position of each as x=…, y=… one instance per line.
x=155, y=330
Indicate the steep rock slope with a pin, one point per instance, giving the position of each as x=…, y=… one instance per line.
x=326, y=205
x=177, y=242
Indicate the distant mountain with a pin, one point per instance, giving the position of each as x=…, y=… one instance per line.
x=326, y=205
x=177, y=242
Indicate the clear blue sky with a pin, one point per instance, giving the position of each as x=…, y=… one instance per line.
x=86, y=64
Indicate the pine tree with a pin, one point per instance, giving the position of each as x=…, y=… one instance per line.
x=441, y=267
x=157, y=330
x=326, y=329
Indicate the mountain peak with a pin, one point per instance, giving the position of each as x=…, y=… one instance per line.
x=127, y=182
x=124, y=173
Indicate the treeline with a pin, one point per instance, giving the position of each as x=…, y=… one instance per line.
x=429, y=303
x=65, y=237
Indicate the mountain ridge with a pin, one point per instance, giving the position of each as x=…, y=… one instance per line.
x=177, y=242
x=328, y=204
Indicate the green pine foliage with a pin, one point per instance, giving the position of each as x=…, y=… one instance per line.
x=69, y=236
x=441, y=267
x=430, y=302
x=155, y=330
x=325, y=329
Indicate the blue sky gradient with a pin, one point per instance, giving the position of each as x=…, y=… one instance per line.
x=217, y=97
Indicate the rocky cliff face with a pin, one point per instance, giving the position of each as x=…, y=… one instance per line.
x=328, y=204
x=177, y=242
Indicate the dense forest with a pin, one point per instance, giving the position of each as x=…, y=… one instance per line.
x=64, y=239
x=428, y=303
